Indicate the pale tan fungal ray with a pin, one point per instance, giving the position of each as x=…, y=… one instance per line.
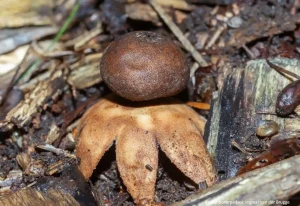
x=137, y=148
x=138, y=128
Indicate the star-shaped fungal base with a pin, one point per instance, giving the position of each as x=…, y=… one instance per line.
x=138, y=129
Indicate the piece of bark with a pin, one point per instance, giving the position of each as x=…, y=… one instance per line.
x=85, y=76
x=22, y=113
x=271, y=185
x=53, y=134
x=31, y=197
x=244, y=91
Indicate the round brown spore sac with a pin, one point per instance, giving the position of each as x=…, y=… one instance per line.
x=143, y=66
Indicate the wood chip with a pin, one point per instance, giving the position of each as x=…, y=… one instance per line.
x=142, y=12
x=199, y=105
x=85, y=76
x=22, y=113
x=81, y=40
x=53, y=134
x=57, y=151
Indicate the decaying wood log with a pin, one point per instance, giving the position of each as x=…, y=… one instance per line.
x=244, y=92
x=271, y=185
x=31, y=197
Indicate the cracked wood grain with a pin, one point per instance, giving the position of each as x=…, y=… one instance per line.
x=244, y=90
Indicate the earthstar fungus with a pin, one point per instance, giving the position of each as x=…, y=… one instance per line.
x=139, y=127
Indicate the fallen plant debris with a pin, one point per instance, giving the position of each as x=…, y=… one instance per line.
x=281, y=146
x=51, y=79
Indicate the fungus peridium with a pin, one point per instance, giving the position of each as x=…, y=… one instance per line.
x=144, y=65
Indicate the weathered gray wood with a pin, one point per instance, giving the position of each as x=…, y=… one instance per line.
x=271, y=184
x=244, y=91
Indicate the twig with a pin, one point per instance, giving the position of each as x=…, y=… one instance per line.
x=215, y=10
x=87, y=37
x=194, y=69
x=236, y=145
x=192, y=72
x=30, y=185
x=245, y=150
x=178, y=33
x=72, y=126
x=55, y=150
x=216, y=35
x=49, y=55
x=248, y=51
x=281, y=70
x=294, y=8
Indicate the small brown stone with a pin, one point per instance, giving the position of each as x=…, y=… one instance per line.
x=144, y=65
x=267, y=128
